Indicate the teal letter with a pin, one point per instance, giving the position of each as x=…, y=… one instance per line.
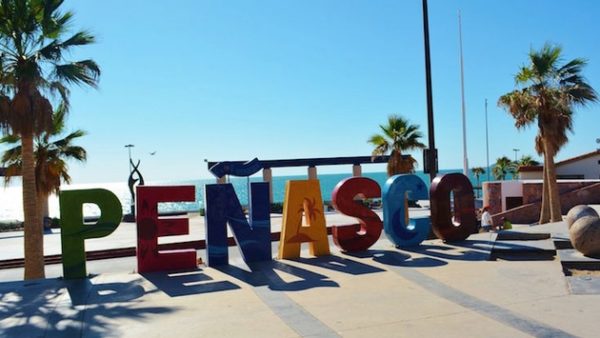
x=394, y=210
x=74, y=231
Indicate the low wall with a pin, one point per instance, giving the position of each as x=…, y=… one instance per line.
x=530, y=213
x=532, y=192
x=492, y=196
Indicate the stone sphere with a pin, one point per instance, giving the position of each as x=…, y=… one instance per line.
x=577, y=212
x=585, y=235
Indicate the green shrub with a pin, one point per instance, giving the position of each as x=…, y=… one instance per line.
x=277, y=208
x=11, y=225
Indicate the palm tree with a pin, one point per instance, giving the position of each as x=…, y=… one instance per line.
x=398, y=136
x=51, y=155
x=477, y=172
x=527, y=161
x=547, y=95
x=33, y=64
x=503, y=167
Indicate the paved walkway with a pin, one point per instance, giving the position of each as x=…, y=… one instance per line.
x=435, y=290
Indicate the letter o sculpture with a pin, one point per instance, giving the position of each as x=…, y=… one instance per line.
x=464, y=207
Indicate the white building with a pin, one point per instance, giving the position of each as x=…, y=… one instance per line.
x=586, y=166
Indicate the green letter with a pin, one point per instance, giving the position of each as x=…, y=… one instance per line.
x=74, y=231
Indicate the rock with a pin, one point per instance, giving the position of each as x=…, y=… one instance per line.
x=579, y=211
x=585, y=235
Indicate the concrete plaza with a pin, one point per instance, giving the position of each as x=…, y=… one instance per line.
x=437, y=289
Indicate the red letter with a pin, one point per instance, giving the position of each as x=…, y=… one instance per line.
x=356, y=237
x=464, y=207
x=150, y=227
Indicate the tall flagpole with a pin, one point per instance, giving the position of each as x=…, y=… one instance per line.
x=487, y=143
x=462, y=93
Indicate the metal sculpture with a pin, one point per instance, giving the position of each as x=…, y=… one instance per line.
x=132, y=181
x=361, y=236
x=74, y=231
x=395, y=211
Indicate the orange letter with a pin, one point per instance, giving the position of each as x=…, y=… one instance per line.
x=303, y=198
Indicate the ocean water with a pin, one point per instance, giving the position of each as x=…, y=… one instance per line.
x=11, y=199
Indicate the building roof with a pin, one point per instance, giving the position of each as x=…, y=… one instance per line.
x=578, y=158
x=535, y=168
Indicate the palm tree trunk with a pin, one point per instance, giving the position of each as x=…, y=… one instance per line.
x=42, y=205
x=394, y=163
x=545, y=209
x=555, y=212
x=34, y=236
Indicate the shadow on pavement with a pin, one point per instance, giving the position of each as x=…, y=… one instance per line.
x=187, y=283
x=395, y=258
x=339, y=264
x=265, y=274
x=84, y=292
x=57, y=308
x=450, y=252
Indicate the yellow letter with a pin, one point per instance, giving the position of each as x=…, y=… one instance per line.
x=303, y=198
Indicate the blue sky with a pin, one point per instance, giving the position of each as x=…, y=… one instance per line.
x=234, y=80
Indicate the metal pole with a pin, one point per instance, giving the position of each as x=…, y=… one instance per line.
x=516, y=152
x=432, y=155
x=462, y=93
x=487, y=142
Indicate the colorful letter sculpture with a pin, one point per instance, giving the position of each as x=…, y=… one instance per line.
x=74, y=231
x=223, y=207
x=464, y=207
x=395, y=210
x=150, y=227
x=303, y=198
x=356, y=237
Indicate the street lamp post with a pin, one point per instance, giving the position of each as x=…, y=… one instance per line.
x=430, y=154
x=516, y=152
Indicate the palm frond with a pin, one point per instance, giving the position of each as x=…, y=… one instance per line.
x=10, y=139
x=54, y=50
x=82, y=72
x=381, y=145
x=398, y=136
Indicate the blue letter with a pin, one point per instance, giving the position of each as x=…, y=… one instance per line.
x=394, y=210
x=222, y=207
